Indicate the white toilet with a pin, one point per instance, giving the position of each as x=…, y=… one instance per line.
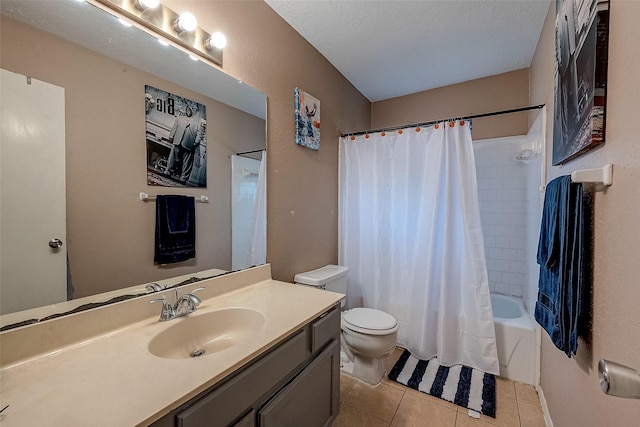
x=368, y=335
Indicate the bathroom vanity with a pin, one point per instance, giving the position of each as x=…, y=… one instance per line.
x=271, y=358
x=297, y=383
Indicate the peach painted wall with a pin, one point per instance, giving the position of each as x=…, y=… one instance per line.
x=570, y=386
x=302, y=184
x=495, y=93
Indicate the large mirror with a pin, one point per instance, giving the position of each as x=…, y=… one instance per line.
x=102, y=68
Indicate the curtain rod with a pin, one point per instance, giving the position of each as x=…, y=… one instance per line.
x=475, y=116
x=249, y=152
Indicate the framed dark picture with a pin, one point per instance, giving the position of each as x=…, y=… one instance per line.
x=582, y=38
x=176, y=137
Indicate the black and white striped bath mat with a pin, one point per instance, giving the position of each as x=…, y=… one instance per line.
x=464, y=386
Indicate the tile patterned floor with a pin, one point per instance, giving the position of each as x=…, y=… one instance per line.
x=390, y=404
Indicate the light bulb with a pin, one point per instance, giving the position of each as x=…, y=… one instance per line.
x=163, y=42
x=186, y=22
x=193, y=57
x=143, y=5
x=125, y=23
x=148, y=4
x=217, y=40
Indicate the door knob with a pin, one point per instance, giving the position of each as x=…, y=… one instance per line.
x=55, y=243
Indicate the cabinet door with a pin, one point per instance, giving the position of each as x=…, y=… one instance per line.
x=227, y=402
x=311, y=399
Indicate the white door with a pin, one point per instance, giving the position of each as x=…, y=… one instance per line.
x=32, y=194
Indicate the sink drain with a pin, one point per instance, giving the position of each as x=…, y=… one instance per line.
x=197, y=353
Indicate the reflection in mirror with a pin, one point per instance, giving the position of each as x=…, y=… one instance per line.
x=100, y=69
x=248, y=209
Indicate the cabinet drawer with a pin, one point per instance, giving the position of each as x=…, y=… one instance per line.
x=227, y=402
x=324, y=329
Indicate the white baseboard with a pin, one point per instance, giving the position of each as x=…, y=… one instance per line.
x=545, y=408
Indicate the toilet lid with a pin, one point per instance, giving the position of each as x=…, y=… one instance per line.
x=369, y=318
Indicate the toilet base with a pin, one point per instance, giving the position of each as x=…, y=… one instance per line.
x=368, y=369
x=365, y=369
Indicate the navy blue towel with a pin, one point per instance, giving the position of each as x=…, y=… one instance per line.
x=562, y=284
x=175, y=229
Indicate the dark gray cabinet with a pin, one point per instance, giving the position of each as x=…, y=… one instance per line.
x=311, y=399
x=296, y=383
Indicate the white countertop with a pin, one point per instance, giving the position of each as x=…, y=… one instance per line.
x=112, y=379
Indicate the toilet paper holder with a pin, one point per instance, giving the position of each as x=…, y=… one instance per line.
x=619, y=380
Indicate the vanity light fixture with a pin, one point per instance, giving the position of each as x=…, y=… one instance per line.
x=216, y=41
x=143, y=5
x=185, y=22
x=179, y=30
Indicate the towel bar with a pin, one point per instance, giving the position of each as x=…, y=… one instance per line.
x=145, y=198
x=603, y=175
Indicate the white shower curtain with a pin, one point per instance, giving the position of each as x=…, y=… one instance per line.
x=259, y=227
x=410, y=234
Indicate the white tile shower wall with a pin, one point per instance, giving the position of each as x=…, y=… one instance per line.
x=505, y=192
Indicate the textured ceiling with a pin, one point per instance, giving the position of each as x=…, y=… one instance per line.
x=393, y=48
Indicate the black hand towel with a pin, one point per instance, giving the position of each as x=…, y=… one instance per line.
x=175, y=229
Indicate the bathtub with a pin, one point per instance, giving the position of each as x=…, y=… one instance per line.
x=516, y=339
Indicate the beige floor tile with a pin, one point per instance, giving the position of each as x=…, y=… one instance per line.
x=505, y=387
x=526, y=393
x=387, y=381
x=464, y=420
x=352, y=417
x=381, y=400
x=346, y=382
x=375, y=406
x=430, y=398
x=530, y=415
x=506, y=413
x=414, y=411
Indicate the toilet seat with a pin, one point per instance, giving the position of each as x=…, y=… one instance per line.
x=369, y=321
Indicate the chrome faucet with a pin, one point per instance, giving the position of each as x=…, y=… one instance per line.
x=167, y=312
x=153, y=287
x=187, y=303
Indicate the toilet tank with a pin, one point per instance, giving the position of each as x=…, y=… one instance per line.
x=330, y=277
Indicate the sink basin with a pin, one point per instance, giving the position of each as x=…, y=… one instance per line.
x=207, y=333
